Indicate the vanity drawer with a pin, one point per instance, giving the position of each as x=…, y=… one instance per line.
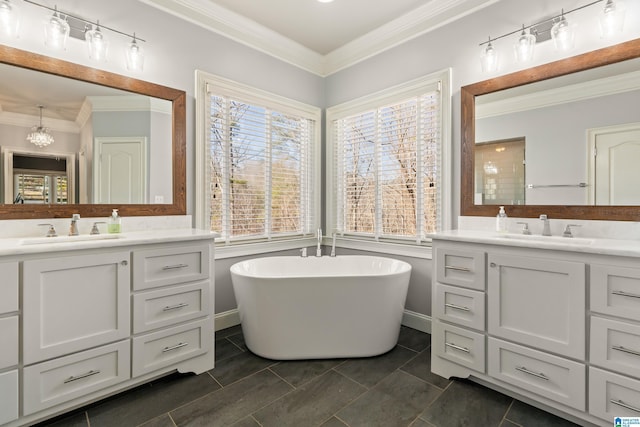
x=9, y=393
x=615, y=291
x=612, y=395
x=461, y=346
x=56, y=381
x=163, y=348
x=615, y=345
x=169, y=266
x=552, y=377
x=460, y=267
x=8, y=341
x=464, y=307
x=168, y=306
x=9, y=287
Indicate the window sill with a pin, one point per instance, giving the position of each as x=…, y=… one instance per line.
x=408, y=250
x=384, y=248
x=246, y=249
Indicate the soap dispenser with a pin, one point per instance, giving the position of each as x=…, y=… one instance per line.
x=501, y=221
x=115, y=222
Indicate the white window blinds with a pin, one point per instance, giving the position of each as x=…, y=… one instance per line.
x=261, y=169
x=386, y=167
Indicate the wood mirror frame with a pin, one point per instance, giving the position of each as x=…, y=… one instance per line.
x=597, y=58
x=36, y=62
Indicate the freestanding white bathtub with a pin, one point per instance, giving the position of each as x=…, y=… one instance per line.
x=320, y=307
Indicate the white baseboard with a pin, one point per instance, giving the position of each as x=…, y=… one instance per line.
x=226, y=319
x=411, y=319
x=418, y=321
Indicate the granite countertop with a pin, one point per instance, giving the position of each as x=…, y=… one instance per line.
x=33, y=245
x=618, y=247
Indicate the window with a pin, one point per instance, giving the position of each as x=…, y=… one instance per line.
x=262, y=153
x=387, y=154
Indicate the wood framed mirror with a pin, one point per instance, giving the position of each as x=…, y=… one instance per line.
x=470, y=203
x=176, y=146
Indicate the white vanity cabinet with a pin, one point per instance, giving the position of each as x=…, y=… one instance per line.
x=102, y=317
x=560, y=327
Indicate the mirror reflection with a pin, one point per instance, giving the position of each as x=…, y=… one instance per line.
x=570, y=140
x=109, y=146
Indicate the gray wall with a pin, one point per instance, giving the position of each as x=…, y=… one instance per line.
x=176, y=48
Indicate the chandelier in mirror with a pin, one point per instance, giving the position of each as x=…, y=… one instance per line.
x=39, y=135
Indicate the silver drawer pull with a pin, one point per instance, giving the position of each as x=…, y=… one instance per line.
x=175, y=307
x=175, y=347
x=534, y=374
x=453, y=267
x=625, y=350
x=457, y=307
x=457, y=347
x=175, y=267
x=625, y=405
x=79, y=377
x=625, y=294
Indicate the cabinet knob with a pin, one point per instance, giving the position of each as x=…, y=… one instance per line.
x=493, y=265
x=124, y=263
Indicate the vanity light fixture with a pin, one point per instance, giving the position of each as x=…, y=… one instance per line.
x=489, y=58
x=525, y=45
x=325, y=1
x=56, y=31
x=556, y=27
x=612, y=18
x=562, y=34
x=97, y=43
x=134, y=55
x=62, y=25
x=9, y=19
x=39, y=134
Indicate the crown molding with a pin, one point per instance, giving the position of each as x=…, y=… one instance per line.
x=213, y=17
x=561, y=95
x=29, y=121
x=426, y=18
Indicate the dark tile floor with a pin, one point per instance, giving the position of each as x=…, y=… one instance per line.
x=244, y=390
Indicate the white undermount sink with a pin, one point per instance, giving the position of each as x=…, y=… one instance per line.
x=68, y=239
x=578, y=241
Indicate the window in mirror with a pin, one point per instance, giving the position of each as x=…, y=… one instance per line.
x=45, y=187
x=500, y=172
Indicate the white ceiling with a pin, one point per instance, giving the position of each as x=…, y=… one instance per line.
x=322, y=27
x=320, y=37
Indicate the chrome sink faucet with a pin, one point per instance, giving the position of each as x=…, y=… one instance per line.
x=73, y=228
x=546, y=229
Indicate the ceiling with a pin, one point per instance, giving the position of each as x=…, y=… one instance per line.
x=320, y=37
x=322, y=27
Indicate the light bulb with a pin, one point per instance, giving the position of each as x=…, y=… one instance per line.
x=563, y=34
x=56, y=32
x=135, y=55
x=489, y=58
x=612, y=18
x=97, y=44
x=524, y=46
x=9, y=19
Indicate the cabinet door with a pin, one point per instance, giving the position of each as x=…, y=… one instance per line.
x=612, y=395
x=169, y=266
x=538, y=302
x=553, y=377
x=75, y=302
x=9, y=394
x=460, y=267
x=615, y=291
x=460, y=306
x=9, y=288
